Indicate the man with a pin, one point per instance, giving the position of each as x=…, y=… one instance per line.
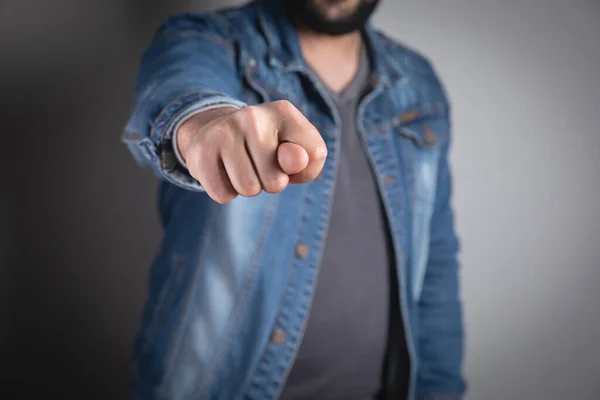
x=309, y=249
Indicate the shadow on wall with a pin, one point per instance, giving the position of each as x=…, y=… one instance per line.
x=78, y=224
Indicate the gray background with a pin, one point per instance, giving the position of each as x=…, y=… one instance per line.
x=77, y=217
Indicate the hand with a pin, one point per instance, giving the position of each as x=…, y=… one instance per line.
x=235, y=152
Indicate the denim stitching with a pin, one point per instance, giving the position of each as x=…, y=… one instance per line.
x=217, y=39
x=280, y=314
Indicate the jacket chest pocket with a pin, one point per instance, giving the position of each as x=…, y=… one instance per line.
x=419, y=140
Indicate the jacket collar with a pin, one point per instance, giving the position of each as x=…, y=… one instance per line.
x=284, y=49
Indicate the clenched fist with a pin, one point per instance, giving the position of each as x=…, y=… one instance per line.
x=261, y=147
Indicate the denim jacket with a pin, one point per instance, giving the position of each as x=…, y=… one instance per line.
x=231, y=285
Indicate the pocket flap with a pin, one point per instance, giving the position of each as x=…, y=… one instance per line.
x=427, y=128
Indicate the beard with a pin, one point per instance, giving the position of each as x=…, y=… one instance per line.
x=312, y=14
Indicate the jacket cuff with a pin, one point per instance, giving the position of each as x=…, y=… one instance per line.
x=155, y=148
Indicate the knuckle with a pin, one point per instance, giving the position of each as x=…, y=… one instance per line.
x=276, y=184
x=225, y=133
x=247, y=120
x=320, y=152
x=285, y=107
x=310, y=174
x=214, y=186
x=250, y=188
x=223, y=198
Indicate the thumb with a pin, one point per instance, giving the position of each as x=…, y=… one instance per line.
x=291, y=157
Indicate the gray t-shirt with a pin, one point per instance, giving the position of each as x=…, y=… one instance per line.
x=344, y=345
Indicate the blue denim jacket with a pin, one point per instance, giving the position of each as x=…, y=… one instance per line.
x=231, y=285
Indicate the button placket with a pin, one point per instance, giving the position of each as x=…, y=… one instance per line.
x=278, y=336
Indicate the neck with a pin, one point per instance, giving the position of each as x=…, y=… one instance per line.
x=334, y=58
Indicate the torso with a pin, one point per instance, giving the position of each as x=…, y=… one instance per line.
x=344, y=344
x=232, y=285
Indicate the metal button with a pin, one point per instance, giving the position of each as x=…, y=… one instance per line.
x=301, y=250
x=430, y=135
x=408, y=117
x=252, y=63
x=178, y=263
x=135, y=136
x=375, y=80
x=278, y=336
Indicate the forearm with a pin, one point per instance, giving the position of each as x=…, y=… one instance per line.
x=188, y=68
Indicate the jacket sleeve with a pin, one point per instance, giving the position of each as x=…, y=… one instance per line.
x=440, y=331
x=189, y=66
